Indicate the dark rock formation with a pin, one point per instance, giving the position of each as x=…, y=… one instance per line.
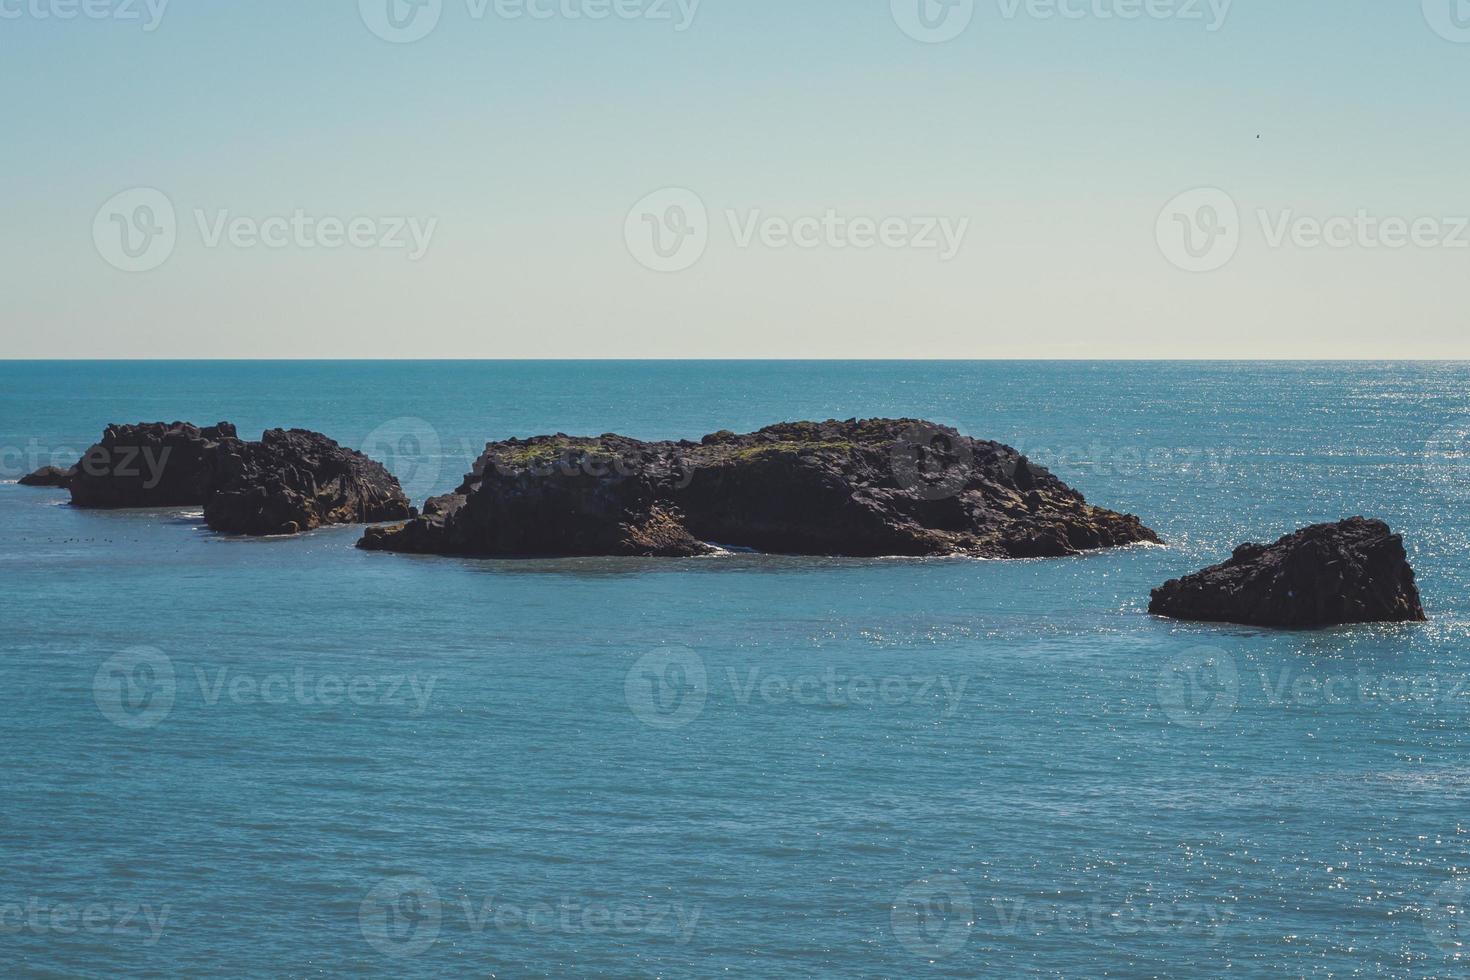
x=294, y=481
x=150, y=465
x=290, y=481
x=49, y=476
x=1325, y=575
x=860, y=488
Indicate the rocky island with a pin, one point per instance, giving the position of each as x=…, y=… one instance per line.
x=49, y=476
x=288, y=482
x=1354, y=571
x=859, y=488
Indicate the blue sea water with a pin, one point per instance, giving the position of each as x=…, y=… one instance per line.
x=292, y=758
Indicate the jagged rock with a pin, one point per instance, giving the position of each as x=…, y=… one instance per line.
x=49, y=476
x=153, y=464
x=1355, y=571
x=859, y=488
x=289, y=482
x=293, y=481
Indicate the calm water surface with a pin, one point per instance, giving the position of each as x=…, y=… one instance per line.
x=292, y=758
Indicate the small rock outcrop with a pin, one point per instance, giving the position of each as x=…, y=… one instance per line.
x=293, y=481
x=857, y=488
x=154, y=464
x=49, y=476
x=288, y=482
x=1355, y=571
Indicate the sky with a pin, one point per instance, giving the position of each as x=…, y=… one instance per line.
x=735, y=178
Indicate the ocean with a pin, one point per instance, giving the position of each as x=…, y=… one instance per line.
x=288, y=757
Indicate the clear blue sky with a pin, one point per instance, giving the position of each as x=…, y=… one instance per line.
x=527, y=141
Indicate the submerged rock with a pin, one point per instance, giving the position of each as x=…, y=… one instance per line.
x=288, y=482
x=859, y=488
x=49, y=476
x=1355, y=571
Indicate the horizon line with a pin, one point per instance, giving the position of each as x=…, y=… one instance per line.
x=1150, y=358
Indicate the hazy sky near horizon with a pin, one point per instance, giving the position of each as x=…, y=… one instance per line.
x=735, y=178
